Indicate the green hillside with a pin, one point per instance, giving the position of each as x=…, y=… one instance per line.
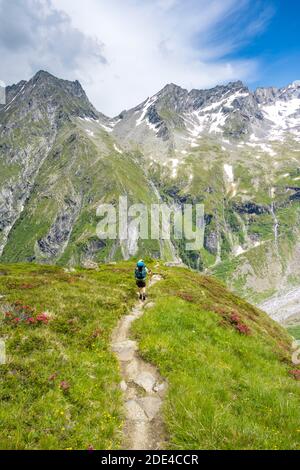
x=227, y=363
x=70, y=352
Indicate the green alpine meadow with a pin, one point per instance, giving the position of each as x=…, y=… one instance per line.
x=227, y=364
x=149, y=230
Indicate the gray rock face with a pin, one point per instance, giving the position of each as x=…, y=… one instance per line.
x=29, y=123
x=16, y=190
x=135, y=412
x=91, y=249
x=54, y=243
x=266, y=95
x=211, y=242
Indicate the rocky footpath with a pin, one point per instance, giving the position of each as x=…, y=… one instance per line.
x=142, y=386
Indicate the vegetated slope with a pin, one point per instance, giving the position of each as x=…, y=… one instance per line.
x=58, y=163
x=59, y=387
x=226, y=362
x=237, y=152
x=228, y=365
x=234, y=150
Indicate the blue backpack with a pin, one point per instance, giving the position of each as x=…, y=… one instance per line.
x=141, y=273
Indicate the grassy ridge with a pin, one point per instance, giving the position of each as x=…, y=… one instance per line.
x=227, y=390
x=59, y=387
x=227, y=363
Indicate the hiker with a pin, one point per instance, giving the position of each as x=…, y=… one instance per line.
x=141, y=272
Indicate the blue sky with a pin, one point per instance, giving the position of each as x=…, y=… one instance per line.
x=123, y=51
x=277, y=47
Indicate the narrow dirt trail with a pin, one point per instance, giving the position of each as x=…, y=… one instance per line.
x=142, y=386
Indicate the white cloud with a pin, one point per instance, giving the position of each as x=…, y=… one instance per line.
x=129, y=49
x=34, y=35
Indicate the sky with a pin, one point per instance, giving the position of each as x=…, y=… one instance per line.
x=123, y=51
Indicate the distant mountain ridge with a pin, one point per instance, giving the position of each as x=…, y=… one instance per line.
x=235, y=150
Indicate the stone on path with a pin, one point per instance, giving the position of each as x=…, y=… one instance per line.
x=125, y=349
x=146, y=381
x=135, y=412
x=132, y=369
x=150, y=405
x=123, y=385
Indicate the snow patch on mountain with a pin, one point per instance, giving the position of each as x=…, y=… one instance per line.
x=264, y=147
x=229, y=178
x=151, y=126
x=107, y=128
x=229, y=172
x=175, y=163
x=225, y=102
x=117, y=149
x=149, y=102
x=212, y=117
x=15, y=97
x=282, y=113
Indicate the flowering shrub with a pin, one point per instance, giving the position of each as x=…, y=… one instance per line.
x=241, y=327
x=53, y=377
x=234, y=319
x=295, y=373
x=186, y=296
x=64, y=385
x=97, y=332
x=20, y=313
x=43, y=318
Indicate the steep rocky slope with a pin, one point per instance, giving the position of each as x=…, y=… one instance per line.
x=58, y=163
x=234, y=150
x=238, y=152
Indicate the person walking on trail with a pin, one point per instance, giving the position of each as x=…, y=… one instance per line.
x=141, y=272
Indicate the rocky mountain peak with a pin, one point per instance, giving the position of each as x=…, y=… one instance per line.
x=46, y=94
x=236, y=84
x=172, y=88
x=43, y=75
x=45, y=80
